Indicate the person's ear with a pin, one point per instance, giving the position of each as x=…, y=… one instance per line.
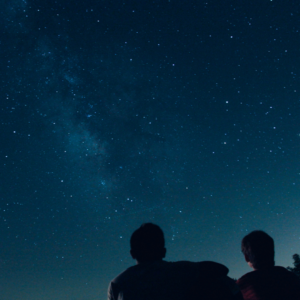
x=248, y=261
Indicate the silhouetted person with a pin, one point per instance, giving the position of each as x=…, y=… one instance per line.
x=267, y=281
x=152, y=278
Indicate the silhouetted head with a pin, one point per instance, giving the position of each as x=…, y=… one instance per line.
x=148, y=243
x=258, y=249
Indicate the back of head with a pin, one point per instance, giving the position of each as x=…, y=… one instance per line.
x=148, y=243
x=258, y=247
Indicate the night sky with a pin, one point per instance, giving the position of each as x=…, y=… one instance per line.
x=115, y=113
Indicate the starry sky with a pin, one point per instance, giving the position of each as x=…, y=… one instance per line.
x=115, y=113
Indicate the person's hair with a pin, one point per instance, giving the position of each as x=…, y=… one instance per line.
x=258, y=246
x=148, y=243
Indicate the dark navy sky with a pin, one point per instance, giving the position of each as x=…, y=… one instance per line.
x=115, y=113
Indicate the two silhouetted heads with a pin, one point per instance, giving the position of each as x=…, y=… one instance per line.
x=148, y=243
x=258, y=249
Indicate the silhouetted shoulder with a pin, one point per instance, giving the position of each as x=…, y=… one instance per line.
x=165, y=280
x=273, y=273
x=271, y=283
x=131, y=274
x=134, y=281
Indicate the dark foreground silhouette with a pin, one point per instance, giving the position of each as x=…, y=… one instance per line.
x=154, y=278
x=267, y=281
x=296, y=263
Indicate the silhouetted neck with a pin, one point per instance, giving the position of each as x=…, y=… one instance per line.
x=148, y=261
